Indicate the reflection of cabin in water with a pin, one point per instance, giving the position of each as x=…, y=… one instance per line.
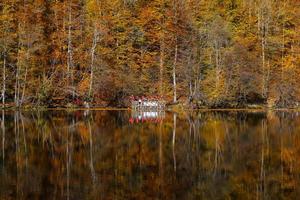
x=145, y=104
x=139, y=116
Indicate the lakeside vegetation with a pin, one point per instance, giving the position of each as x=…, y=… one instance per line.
x=194, y=53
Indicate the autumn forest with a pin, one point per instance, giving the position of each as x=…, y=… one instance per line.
x=200, y=53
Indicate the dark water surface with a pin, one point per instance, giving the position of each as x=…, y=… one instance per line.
x=123, y=155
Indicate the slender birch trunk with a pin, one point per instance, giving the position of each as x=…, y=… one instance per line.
x=175, y=55
x=26, y=72
x=17, y=87
x=3, y=81
x=198, y=74
x=217, y=65
x=161, y=56
x=264, y=27
x=24, y=86
x=282, y=54
x=161, y=66
x=174, y=73
x=95, y=40
x=263, y=66
x=70, y=58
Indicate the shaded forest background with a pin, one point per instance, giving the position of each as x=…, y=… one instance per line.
x=217, y=53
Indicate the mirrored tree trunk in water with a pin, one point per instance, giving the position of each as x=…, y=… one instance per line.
x=3, y=137
x=93, y=174
x=173, y=140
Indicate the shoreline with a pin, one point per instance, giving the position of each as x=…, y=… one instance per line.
x=129, y=109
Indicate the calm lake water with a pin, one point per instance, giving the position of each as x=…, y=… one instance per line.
x=124, y=155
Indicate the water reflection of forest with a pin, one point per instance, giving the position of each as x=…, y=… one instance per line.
x=100, y=155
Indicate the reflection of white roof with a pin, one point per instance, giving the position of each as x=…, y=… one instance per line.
x=144, y=115
x=150, y=114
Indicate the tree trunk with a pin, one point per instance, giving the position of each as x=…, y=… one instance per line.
x=70, y=59
x=263, y=66
x=24, y=86
x=175, y=55
x=198, y=74
x=282, y=54
x=217, y=65
x=264, y=23
x=17, y=87
x=161, y=66
x=4, y=82
x=95, y=40
x=174, y=72
x=26, y=71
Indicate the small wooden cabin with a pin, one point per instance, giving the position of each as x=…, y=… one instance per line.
x=148, y=104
